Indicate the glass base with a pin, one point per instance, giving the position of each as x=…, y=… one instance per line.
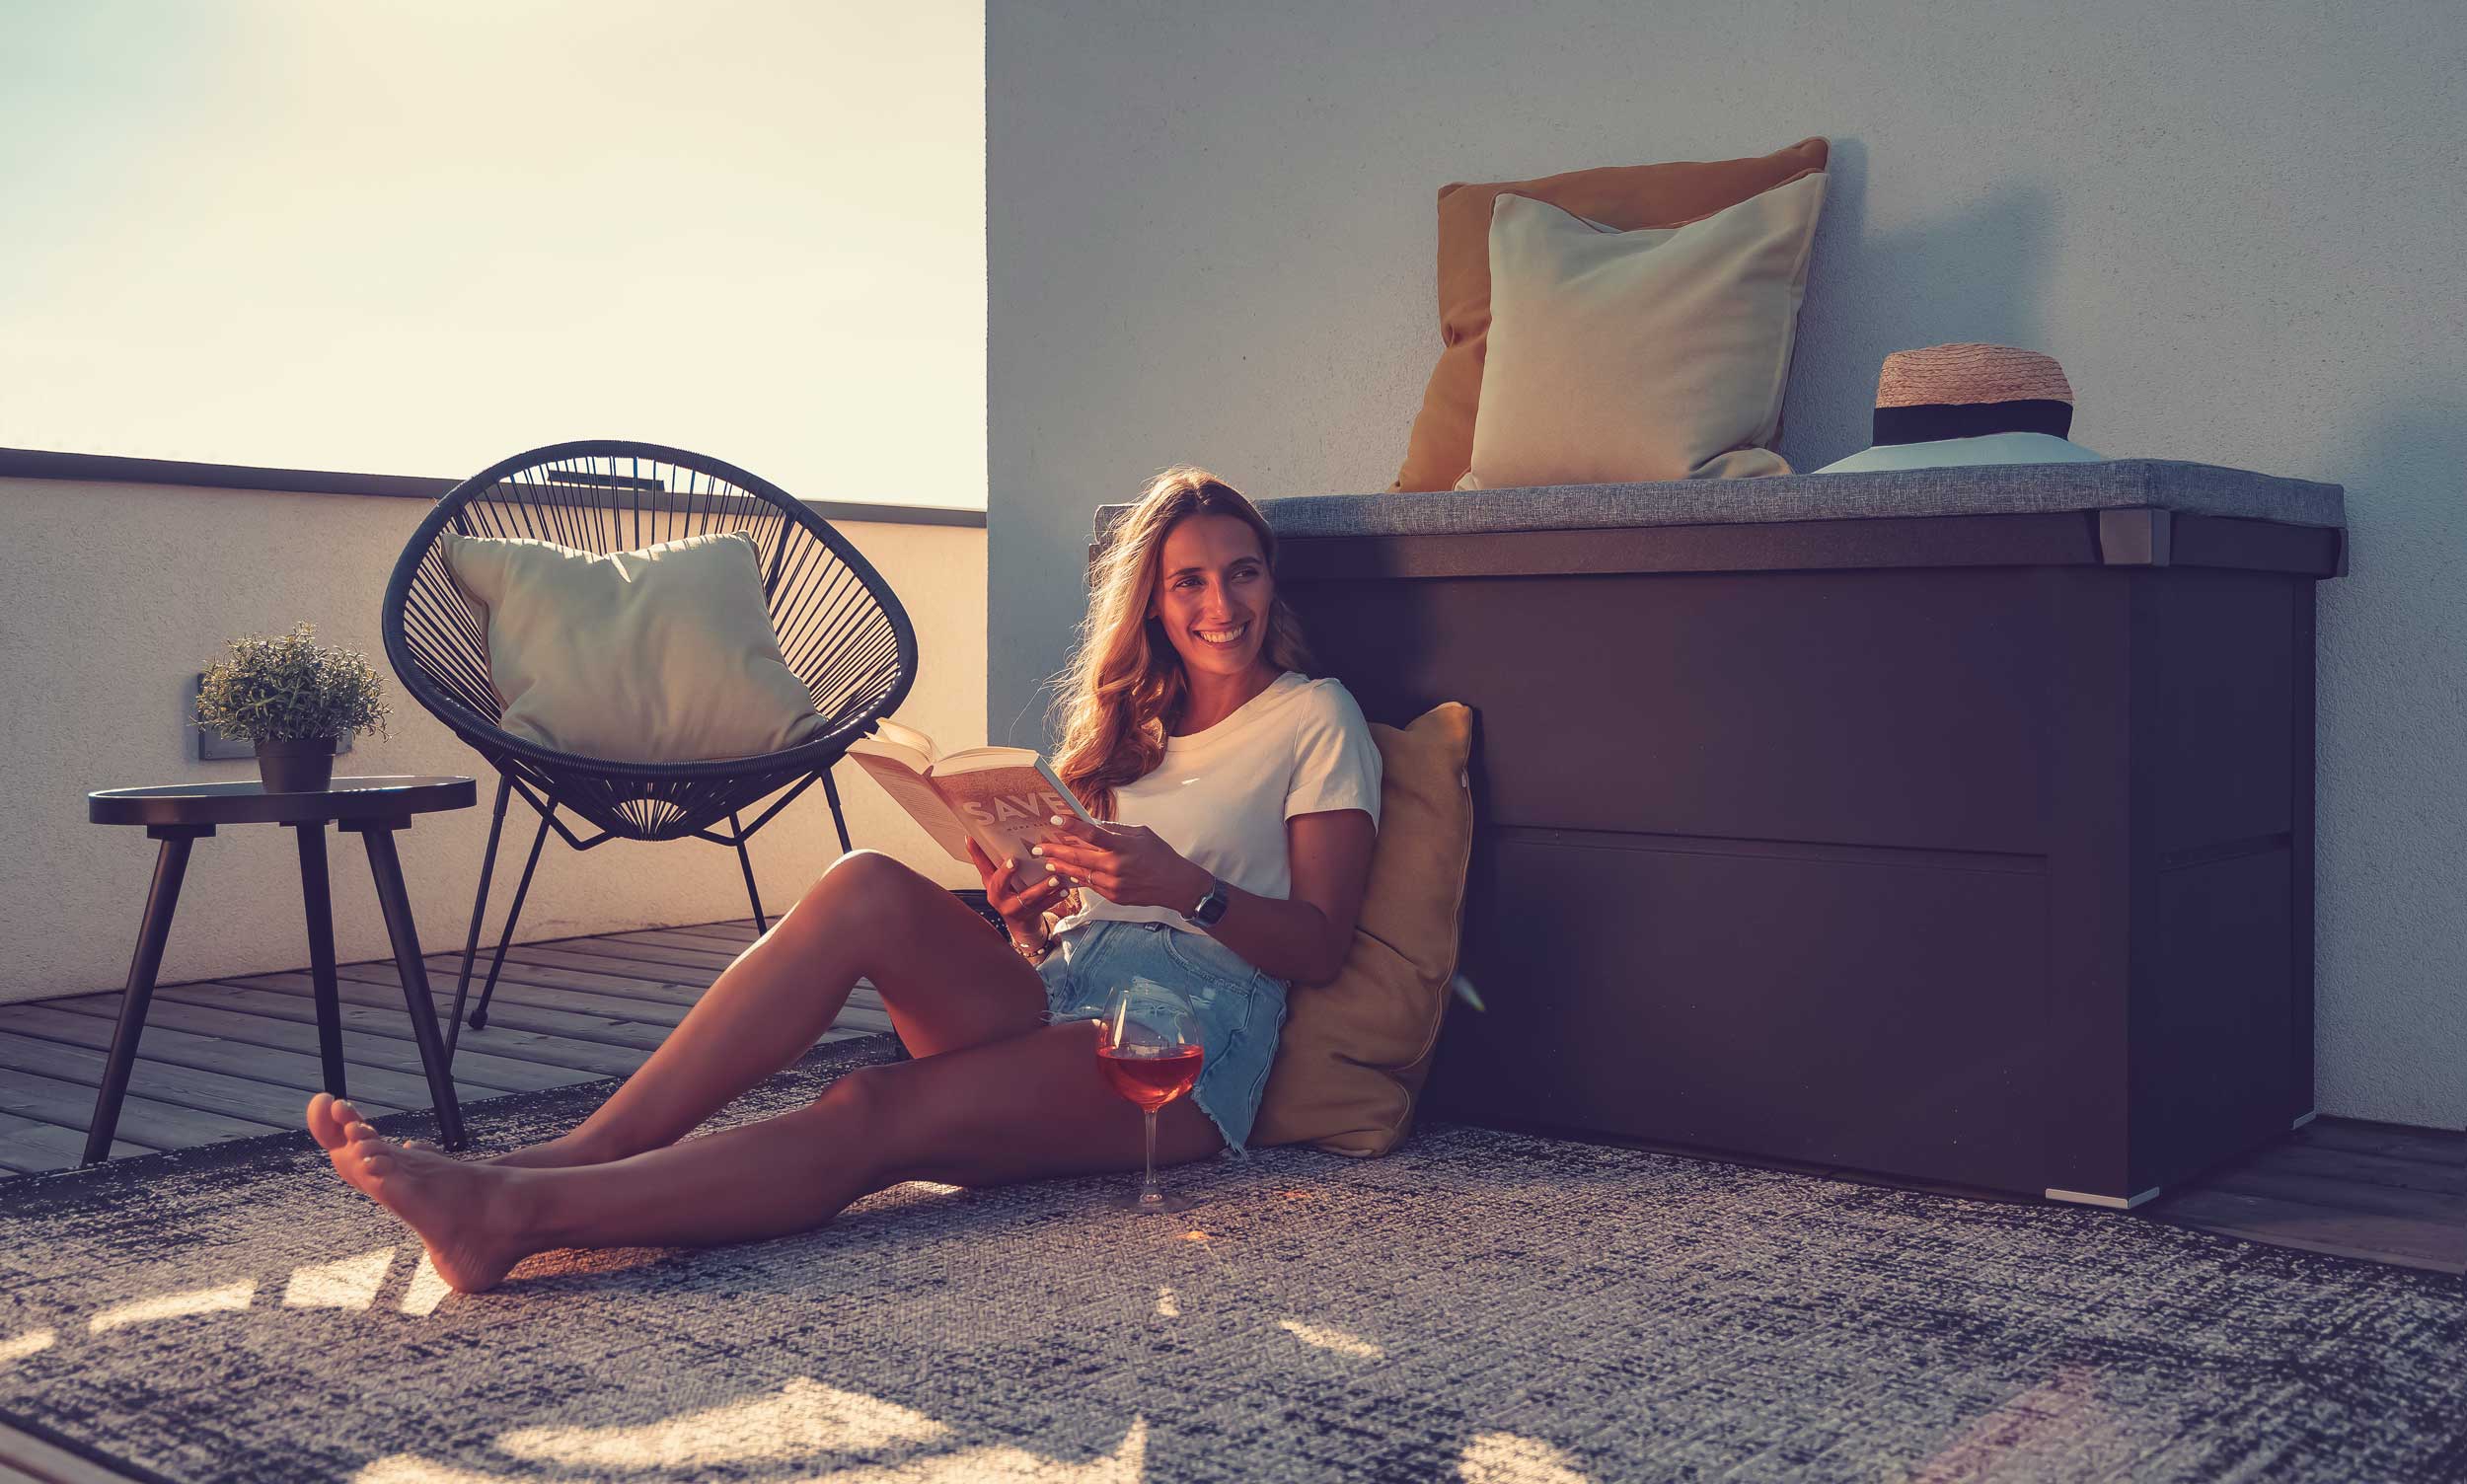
x=1172, y=1201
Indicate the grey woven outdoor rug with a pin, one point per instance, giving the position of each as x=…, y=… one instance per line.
x=1478, y=1305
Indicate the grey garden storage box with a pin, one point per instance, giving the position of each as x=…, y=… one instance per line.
x=1955, y=825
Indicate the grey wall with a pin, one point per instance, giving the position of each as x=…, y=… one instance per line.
x=2237, y=225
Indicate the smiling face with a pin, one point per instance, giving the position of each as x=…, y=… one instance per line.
x=1213, y=593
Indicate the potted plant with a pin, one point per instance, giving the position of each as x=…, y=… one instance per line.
x=294, y=697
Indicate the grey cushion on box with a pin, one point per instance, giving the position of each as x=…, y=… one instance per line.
x=1981, y=489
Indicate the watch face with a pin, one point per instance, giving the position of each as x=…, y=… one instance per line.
x=1212, y=906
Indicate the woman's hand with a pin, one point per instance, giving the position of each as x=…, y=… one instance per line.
x=1126, y=864
x=1023, y=911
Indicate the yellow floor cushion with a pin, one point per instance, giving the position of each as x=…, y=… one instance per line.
x=1355, y=1051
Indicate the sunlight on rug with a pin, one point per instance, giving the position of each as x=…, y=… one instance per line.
x=805, y=1420
x=1506, y=1459
x=351, y=1283
x=230, y=1296
x=427, y=1288
x=1330, y=1339
x=27, y=1344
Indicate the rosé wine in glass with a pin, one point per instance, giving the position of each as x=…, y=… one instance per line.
x=1149, y=1049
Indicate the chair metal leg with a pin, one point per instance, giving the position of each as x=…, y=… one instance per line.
x=831, y=791
x=316, y=897
x=478, y=912
x=170, y=865
x=413, y=970
x=746, y=863
x=514, y=915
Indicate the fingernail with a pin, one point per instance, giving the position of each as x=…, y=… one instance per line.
x=1036, y=850
x=1011, y=864
x=1051, y=867
x=1055, y=819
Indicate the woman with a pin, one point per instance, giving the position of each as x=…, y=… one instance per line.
x=1242, y=801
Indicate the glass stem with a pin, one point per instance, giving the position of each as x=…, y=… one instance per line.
x=1149, y=1194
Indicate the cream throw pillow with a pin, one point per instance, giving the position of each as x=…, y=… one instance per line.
x=1660, y=354
x=661, y=655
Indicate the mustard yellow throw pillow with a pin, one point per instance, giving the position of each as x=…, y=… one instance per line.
x=1355, y=1051
x=660, y=655
x=1619, y=356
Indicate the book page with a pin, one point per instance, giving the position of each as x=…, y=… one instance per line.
x=914, y=794
x=978, y=759
x=904, y=743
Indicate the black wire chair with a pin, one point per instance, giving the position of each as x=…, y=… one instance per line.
x=841, y=629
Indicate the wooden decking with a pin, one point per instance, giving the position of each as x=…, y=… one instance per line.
x=236, y=1058
x=232, y=1058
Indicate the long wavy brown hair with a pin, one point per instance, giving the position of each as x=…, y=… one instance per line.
x=1125, y=688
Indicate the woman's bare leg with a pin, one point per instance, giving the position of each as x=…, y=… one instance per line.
x=1019, y=1109
x=946, y=978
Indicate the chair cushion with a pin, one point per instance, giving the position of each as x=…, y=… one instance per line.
x=1641, y=355
x=660, y=655
x=1355, y=1051
x=1628, y=199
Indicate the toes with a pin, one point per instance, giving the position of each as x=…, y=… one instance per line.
x=360, y=1133
x=321, y=1122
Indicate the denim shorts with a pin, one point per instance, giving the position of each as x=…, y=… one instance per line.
x=1241, y=1009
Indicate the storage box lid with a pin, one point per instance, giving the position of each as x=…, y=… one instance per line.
x=1978, y=490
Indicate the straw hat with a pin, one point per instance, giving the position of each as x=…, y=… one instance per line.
x=1969, y=403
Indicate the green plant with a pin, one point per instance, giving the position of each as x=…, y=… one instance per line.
x=290, y=686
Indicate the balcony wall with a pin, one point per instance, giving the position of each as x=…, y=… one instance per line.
x=114, y=593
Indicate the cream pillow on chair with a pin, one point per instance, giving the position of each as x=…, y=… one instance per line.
x=1628, y=356
x=660, y=655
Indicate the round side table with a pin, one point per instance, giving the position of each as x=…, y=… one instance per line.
x=179, y=814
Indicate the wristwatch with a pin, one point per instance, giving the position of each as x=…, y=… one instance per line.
x=1211, y=907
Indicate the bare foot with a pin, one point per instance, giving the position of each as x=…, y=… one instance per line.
x=467, y=1216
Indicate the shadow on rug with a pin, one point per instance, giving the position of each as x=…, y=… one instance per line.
x=1478, y=1305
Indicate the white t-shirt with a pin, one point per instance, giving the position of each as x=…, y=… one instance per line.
x=1222, y=796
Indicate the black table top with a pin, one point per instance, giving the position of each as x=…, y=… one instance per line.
x=250, y=803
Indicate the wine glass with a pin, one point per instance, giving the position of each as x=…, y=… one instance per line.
x=1149, y=1047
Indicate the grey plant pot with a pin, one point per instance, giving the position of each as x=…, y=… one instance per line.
x=295, y=764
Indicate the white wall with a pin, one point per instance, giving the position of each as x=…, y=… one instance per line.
x=114, y=597
x=2236, y=224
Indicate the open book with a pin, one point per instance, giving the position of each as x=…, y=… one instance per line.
x=999, y=797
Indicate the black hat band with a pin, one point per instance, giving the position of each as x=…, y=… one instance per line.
x=1971, y=419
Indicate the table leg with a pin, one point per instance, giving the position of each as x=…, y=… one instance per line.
x=170, y=865
x=387, y=867
x=316, y=895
